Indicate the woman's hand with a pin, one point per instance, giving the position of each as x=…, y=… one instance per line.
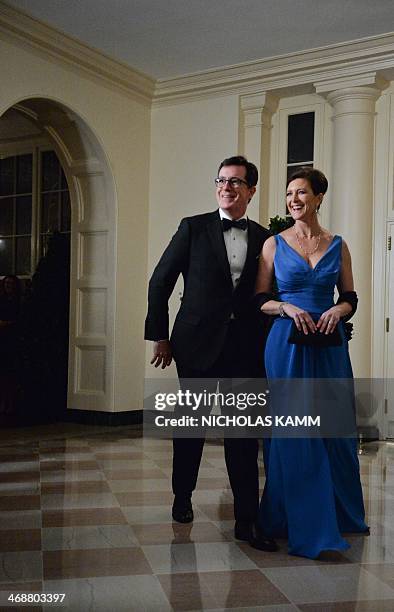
x=302, y=319
x=329, y=319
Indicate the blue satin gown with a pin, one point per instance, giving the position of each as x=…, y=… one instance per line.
x=312, y=492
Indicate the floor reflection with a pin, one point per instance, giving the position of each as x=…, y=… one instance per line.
x=86, y=511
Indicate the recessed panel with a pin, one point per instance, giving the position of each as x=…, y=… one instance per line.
x=91, y=369
x=94, y=255
x=92, y=312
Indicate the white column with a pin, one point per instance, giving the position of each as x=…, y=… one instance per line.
x=351, y=187
x=255, y=142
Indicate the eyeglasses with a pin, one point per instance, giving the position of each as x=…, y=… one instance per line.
x=235, y=182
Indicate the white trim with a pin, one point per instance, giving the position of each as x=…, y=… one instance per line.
x=384, y=418
x=18, y=25
x=287, y=107
x=346, y=62
x=382, y=202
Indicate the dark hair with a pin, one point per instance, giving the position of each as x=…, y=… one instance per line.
x=252, y=174
x=317, y=180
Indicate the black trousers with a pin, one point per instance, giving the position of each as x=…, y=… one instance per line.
x=240, y=453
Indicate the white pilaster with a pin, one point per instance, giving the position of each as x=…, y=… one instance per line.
x=255, y=141
x=351, y=186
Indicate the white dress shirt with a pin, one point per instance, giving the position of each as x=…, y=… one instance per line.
x=236, y=241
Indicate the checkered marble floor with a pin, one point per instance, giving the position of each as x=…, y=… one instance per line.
x=86, y=511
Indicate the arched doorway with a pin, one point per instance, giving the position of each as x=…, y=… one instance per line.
x=92, y=263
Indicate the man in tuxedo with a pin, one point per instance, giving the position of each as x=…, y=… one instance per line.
x=217, y=333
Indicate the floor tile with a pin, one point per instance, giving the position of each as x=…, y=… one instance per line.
x=224, y=512
x=71, y=466
x=220, y=484
x=178, y=533
x=17, y=587
x=19, y=502
x=187, y=591
x=13, y=588
x=18, y=458
x=145, y=515
x=20, y=466
x=78, y=500
x=114, y=447
x=65, y=448
x=204, y=472
x=178, y=558
x=350, y=606
x=82, y=517
x=145, y=498
x=121, y=455
x=383, y=571
x=213, y=497
x=74, y=486
x=120, y=594
x=281, y=558
x=138, y=473
x=20, y=488
x=220, y=589
x=126, y=464
x=372, y=549
x=242, y=588
x=66, y=564
x=104, y=536
x=20, y=566
x=27, y=519
x=167, y=463
x=70, y=475
x=12, y=540
x=16, y=476
x=69, y=456
x=328, y=583
x=153, y=484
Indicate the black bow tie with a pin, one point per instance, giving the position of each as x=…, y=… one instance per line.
x=241, y=224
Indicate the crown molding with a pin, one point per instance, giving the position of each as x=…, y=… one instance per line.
x=366, y=79
x=20, y=26
x=304, y=68
x=301, y=71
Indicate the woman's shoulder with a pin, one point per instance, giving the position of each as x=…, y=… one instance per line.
x=270, y=242
x=269, y=247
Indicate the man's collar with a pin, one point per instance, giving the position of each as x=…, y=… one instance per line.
x=224, y=215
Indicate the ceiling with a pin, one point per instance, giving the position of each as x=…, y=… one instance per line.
x=168, y=38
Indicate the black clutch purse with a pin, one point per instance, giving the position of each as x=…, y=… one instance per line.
x=317, y=339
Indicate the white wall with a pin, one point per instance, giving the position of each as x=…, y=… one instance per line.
x=188, y=141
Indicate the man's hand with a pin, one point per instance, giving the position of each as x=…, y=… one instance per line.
x=162, y=354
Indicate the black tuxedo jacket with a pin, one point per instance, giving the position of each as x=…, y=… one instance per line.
x=198, y=252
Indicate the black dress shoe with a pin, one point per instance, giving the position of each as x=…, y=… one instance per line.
x=259, y=541
x=243, y=530
x=182, y=511
x=248, y=532
x=262, y=543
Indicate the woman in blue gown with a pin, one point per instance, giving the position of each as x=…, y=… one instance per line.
x=312, y=492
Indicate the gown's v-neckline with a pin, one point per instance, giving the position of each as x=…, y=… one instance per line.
x=301, y=257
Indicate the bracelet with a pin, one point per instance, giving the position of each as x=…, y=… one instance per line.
x=281, y=310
